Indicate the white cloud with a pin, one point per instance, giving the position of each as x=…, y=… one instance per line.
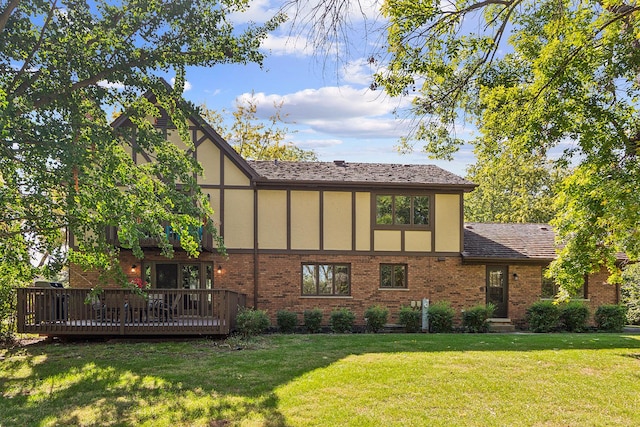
x=259, y=12
x=330, y=102
x=187, y=85
x=343, y=111
x=358, y=72
x=356, y=12
x=284, y=45
x=110, y=85
x=317, y=143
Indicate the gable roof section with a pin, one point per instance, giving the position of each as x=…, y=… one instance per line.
x=512, y=242
x=358, y=174
x=209, y=132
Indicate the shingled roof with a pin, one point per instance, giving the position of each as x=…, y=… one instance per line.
x=518, y=242
x=343, y=173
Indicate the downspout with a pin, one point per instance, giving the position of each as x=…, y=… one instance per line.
x=255, y=248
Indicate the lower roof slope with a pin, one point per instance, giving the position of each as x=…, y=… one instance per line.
x=518, y=242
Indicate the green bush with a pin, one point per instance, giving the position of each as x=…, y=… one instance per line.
x=287, y=321
x=630, y=293
x=574, y=316
x=7, y=311
x=313, y=320
x=476, y=319
x=250, y=322
x=611, y=317
x=440, y=317
x=341, y=320
x=410, y=318
x=543, y=316
x=375, y=318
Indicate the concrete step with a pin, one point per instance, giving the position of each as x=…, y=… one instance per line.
x=501, y=325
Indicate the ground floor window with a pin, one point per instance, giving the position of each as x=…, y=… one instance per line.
x=326, y=279
x=550, y=288
x=393, y=276
x=176, y=275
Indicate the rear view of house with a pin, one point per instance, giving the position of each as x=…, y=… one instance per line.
x=304, y=235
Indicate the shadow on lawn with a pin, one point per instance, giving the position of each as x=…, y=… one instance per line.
x=201, y=382
x=41, y=385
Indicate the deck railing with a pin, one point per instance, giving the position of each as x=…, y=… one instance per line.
x=66, y=311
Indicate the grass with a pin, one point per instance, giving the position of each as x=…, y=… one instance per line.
x=307, y=380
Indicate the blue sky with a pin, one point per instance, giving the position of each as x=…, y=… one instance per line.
x=329, y=105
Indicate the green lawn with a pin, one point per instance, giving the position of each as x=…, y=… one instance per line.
x=326, y=380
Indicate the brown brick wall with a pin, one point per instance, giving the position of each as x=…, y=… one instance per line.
x=435, y=278
x=438, y=279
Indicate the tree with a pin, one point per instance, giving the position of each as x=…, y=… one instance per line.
x=63, y=66
x=253, y=139
x=630, y=292
x=534, y=76
x=511, y=188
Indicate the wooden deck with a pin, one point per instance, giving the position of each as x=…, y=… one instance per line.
x=59, y=312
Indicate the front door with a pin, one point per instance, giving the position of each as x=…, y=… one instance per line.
x=497, y=289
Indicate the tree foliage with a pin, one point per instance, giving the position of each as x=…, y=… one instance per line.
x=534, y=76
x=64, y=66
x=512, y=188
x=630, y=293
x=254, y=139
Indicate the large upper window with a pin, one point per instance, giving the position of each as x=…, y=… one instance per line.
x=393, y=276
x=402, y=210
x=326, y=279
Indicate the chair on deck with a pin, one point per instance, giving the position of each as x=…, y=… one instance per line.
x=167, y=310
x=137, y=308
x=113, y=303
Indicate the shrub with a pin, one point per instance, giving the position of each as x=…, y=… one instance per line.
x=251, y=322
x=7, y=311
x=611, y=317
x=475, y=319
x=410, y=318
x=287, y=321
x=630, y=293
x=440, y=317
x=313, y=320
x=543, y=316
x=376, y=317
x=574, y=316
x=341, y=320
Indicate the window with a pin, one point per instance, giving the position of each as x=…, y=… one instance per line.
x=402, y=210
x=393, y=276
x=550, y=288
x=326, y=279
x=176, y=275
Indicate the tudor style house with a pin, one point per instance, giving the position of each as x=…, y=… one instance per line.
x=304, y=235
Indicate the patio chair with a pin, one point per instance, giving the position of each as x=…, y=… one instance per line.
x=168, y=310
x=137, y=308
x=113, y=303
x=99, y=308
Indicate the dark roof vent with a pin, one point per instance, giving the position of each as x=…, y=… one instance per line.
x=340, y=163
